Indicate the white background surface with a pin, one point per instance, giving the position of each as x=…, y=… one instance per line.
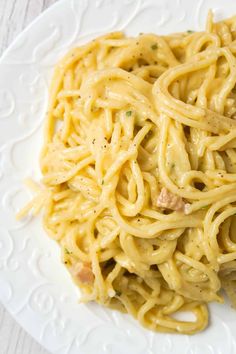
x=14, y=16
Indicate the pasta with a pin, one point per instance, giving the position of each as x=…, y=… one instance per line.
x=139, y=172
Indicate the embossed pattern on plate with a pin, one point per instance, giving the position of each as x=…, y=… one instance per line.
x=34, y=286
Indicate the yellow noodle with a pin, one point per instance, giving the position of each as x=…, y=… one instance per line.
x=131, y=120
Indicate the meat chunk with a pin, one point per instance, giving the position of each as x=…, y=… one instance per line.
x=169, y=200
x=83, y=272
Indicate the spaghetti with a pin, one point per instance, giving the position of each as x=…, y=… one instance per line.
x=139, y=172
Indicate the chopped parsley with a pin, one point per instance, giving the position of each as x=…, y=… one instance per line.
x=154, y=46
x=128, y=113
x=102, y=181
x=190, y=31
x=67, y=252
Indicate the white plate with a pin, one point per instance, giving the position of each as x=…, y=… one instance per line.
x=34, y=286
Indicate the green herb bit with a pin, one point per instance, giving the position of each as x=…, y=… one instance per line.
x=67, y=252
x=190, y=31
x=205, y=207
x=128, y=113
x=154, y=46
x=102, y=181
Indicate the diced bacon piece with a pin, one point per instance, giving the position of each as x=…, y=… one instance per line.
x=83, y=272
x=169, y=200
